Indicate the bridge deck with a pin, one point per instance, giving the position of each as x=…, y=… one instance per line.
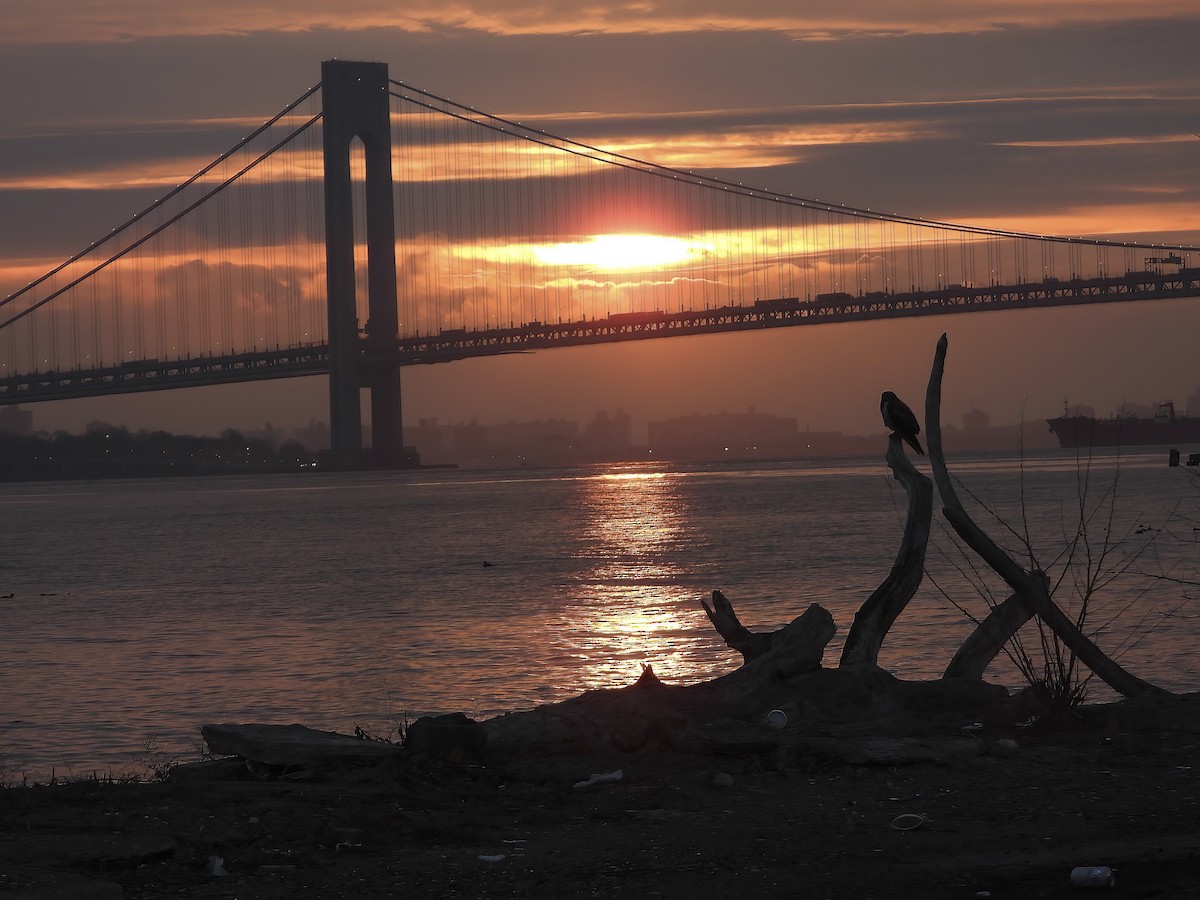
x=454, y=344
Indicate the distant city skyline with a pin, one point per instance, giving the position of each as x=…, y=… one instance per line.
x=210, y=416
x=616, y=435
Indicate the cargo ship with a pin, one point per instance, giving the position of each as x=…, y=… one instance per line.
x=1164, y=428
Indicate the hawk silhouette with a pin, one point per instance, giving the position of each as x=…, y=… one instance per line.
x=898, y=417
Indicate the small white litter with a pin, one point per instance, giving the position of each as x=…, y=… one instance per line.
x=909, y=821
x=601, y=778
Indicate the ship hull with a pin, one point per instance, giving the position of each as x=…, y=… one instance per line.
x=1084, y=431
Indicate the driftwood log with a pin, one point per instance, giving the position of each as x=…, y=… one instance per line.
x=782, y=672
x=880, y=610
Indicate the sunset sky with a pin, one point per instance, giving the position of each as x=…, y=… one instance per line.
x=1068, y=116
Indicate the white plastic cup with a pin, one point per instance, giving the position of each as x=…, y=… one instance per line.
x=1093, y=876
x=777, y=718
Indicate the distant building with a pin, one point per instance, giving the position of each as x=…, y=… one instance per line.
x=268, y=434
x=314, y=436
x=549, y=442
x=607, y=437
x=15, y=420
x=978, y=435
x=714, y=437
x=432, y=440
x=724, y=435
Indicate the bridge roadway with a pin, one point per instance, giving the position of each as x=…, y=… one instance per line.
x=453, y=344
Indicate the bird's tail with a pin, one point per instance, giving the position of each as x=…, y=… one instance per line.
x=916, y=445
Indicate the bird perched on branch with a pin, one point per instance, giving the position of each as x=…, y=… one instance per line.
x=898, y=417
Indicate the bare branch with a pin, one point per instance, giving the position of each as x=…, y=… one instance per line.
x=988, y=639
x=736, y=635
x=1032, y=586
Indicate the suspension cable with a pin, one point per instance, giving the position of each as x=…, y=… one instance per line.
x=155, y=231
x=163, y=199
x=539, y=136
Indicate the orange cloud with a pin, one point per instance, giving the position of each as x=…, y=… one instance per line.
x=1122, y=221
x=159, y=173
x=53, y=21
x=1105, y=141
x=752, y=147
x=761, y=146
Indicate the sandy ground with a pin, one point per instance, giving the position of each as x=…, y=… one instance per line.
x=1120, y=788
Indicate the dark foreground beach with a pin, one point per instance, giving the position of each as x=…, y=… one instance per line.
x=1006, y=812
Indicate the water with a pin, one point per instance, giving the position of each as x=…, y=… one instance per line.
x=146, y=608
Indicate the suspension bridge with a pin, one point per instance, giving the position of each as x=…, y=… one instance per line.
x=370, y=225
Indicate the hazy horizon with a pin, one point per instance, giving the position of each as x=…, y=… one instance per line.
x=580, y=417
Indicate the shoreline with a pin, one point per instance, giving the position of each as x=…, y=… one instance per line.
x=1117, y=788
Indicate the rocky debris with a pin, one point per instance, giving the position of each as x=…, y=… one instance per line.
x=890, y=751
x=294, y=746
x=124, y=849
x=452, y=736
x=208, y=771
x=94, y=851
x=99, y=849
x=1107, y=790
x=71, y=887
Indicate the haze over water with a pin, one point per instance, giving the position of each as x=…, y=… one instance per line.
x=145, y=608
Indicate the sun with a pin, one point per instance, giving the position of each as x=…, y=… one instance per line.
x=609, y=252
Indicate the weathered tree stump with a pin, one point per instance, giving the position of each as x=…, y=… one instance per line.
x=880, y=611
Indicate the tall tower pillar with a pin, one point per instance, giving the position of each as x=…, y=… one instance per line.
x=355, y=105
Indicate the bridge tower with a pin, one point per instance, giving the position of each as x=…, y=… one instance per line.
x=355, y=105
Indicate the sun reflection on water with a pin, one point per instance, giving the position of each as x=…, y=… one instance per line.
x=634, y=603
